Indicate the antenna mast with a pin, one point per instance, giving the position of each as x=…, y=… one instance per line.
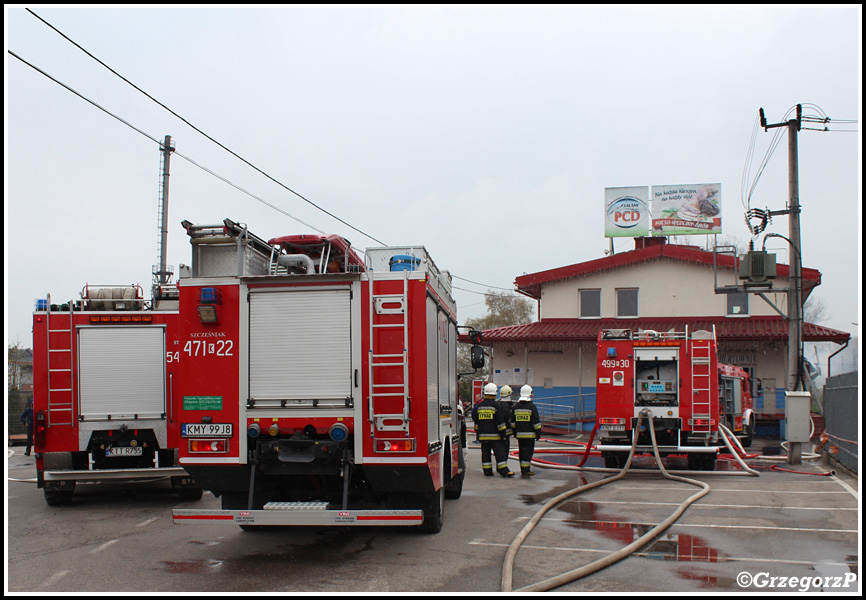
x=162, y=273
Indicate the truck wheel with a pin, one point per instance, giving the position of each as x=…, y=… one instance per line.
x=190, y=493
x=454, y=487
x=614, y=460
x=58, y=497
x=749, y=430
x=701, y=461
x=434, y=512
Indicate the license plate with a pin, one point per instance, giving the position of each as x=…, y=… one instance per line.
x=613, y=427
x=206, y=429
x=123, y=451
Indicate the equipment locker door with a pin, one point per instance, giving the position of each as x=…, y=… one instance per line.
x=121, y=372
x=300, y=349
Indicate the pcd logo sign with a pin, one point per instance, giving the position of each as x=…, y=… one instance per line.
x=626, y=215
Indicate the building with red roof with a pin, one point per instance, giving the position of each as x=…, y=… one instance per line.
x=657, y=286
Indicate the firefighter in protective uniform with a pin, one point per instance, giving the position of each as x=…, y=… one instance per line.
x=527, y=429
x=506, y=405
x=489, y=428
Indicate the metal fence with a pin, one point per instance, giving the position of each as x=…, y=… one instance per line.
x=842, y=419
x=566, y=413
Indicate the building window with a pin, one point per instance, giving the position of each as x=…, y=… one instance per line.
x=590, y=304
x=738, y=304
x=626, y=302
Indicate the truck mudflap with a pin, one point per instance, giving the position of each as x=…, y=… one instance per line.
x=115, y=474
x=301, y=513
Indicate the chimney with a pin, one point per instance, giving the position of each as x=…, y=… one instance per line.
x=649, y=242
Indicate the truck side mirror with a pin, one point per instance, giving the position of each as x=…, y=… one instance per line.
x=477, y=357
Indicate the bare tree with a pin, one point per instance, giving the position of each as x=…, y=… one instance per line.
x=503, y=309
x=13, y=360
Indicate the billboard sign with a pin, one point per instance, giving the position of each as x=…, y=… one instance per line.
x=687, y=209
x=626, y=212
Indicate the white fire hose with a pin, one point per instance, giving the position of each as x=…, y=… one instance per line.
x=548, y=584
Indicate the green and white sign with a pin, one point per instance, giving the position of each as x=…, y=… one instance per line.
x=202, y=402
x=626, y=212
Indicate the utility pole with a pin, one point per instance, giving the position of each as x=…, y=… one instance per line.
x=795, y=289
x=161, y=274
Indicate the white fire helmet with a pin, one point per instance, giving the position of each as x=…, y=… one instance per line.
x=505, y=393
x=526, y=393
x=490, y=390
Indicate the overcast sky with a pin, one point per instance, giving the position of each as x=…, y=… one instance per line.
x=485, y=133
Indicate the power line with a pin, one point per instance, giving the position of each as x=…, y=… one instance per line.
x=473, y=291
x=483, y=284
x=205, y=169
x=158, y=142
x=236, y=155
x=74, y=43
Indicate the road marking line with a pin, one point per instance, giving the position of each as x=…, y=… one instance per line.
x=851, y=490
x=719, y=559
x=148, y=522
x=103, y=546
x=54, y=578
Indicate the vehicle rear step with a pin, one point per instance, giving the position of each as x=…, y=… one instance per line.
x=301, y=513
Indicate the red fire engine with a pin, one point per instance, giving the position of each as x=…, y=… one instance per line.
x=319, y=385
x=678, y=378
x=103, y=368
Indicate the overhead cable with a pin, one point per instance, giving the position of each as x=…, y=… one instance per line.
x=236, y=155
x=158, y=142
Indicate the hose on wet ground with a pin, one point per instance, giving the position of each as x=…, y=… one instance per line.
x=554, y=582
x=740, y=453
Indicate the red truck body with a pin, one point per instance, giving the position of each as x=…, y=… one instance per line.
x=103, y=368
x=319, y=387
x=676, y=377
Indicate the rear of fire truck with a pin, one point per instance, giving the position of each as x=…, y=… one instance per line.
x=103, y=367
x=319, y=386
x=673, y=376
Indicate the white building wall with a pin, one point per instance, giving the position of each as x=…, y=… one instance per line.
x=666, y=288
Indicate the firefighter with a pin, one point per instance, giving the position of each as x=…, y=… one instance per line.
x=506, y=405
x=527, y=429
x=489, y=428
x=27, y=421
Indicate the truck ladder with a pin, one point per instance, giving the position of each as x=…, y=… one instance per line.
x=59, y=366
x=383, y=307
x=701, y=381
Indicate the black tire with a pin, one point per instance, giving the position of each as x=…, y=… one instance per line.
x=749, y=430
x=702, y=461
x=434, y=512
x=454, y=488
x=614, y=460
x=193, y=493
x=58, y=497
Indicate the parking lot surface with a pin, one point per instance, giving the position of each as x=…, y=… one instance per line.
x=780, y=532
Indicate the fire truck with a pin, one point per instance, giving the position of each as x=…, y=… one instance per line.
x=319, y=383
x=677, y=377
x=103, y=369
